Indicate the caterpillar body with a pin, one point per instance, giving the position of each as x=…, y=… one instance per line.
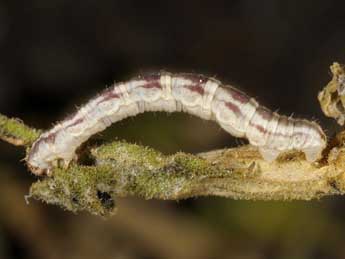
x=233, y=110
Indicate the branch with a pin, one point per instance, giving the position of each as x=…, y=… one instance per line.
x=124, y=169
x=119, y=169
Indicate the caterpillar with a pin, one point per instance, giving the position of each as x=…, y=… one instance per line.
x=207, y=98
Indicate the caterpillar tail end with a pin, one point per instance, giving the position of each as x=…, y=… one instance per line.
x=311, y=154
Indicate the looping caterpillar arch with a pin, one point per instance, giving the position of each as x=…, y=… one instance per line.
x=207, y=98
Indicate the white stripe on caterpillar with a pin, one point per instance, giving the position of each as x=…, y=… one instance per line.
x=204, y=97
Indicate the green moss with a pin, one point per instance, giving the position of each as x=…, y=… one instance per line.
x=129, y=153
x=122, y=170
x=79, y=188
x=194, y=166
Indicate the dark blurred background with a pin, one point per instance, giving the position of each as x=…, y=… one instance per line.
x=55, y=54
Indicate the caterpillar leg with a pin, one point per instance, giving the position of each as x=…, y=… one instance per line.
x=269, y=154
x=312, y=154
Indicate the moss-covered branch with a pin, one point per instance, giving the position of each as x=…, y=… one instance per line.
x=120, y=169
x=129, y=170
x=16, y=132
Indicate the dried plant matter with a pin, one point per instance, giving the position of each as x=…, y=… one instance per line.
x=332, y=97
x=121, y=169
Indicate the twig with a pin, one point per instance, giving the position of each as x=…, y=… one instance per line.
x=14, y=131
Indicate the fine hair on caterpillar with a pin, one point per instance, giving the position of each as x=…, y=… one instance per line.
x=207, y=98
